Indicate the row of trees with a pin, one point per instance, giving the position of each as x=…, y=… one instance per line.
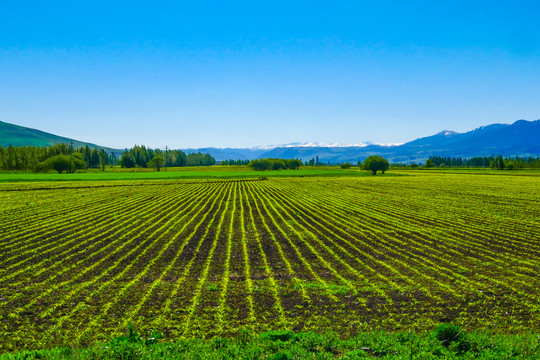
x=494, y=162
x=372, y=163
x=65, y=157
x=234, y=162
x=33, y=158
x=314, y=162
x=274, y=164
x=141, y=156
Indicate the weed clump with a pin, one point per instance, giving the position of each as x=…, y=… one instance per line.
x=451, y=335
x=283, y=335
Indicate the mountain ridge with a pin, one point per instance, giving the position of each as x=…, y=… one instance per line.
x=16, y=135
x=517, y=139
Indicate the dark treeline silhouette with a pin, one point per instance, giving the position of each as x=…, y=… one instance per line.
x=494, y=162
x=274, y=164
x=141, y=156
x=33, y=158
x=234, y=162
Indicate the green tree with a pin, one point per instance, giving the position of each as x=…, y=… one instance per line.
x=429, y=163
x=345, y=165
x=77, y=163
x=156, y=162
x=278, y=164
x=103, y=159
x=293, y=163
x=500, y=162
x=260, y=164
x=127, y=160
x=376, y=163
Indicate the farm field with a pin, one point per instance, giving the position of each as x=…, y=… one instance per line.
x=82, y=260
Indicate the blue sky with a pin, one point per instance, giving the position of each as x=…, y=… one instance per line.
x=241, y=74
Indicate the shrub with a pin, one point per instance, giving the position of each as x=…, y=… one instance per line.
x=452, y=335
x=281, y=356
x=134, y=337
x=61, y=163
x=283, y=335
x=345, y=165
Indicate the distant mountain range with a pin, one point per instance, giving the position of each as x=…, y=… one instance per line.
x=522, y=138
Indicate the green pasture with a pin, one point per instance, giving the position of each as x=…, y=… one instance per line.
x=196, y=172
x=220, y=172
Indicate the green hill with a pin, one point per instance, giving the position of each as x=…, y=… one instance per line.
x=16, y=135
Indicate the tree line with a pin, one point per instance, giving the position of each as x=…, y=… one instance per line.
x=493, y=162
x=66, y=158
x=42, y=158
x=274, y=164
x=314, y=162
x=143, y=157
x=233, y=162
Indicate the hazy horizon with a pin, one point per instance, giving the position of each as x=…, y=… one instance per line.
x=243, y=75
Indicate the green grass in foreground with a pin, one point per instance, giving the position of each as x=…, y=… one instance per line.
x=446, y=342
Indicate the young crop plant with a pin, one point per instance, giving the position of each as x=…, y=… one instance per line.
x=104, y=230
x=267, y=269
x=247, y=266
x=363, y=265
x=163, y=231
x=166, y=311
x=144, y=246
x=293, y=228
x=70, y=267
x=297, y=252
x=174, y=239
x=432, y=264
x=206, y=268
x=47, y=229
x=224, y=283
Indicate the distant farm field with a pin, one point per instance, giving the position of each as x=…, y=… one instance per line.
x=82, y=260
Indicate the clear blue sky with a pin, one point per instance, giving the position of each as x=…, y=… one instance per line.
x=240, y=74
